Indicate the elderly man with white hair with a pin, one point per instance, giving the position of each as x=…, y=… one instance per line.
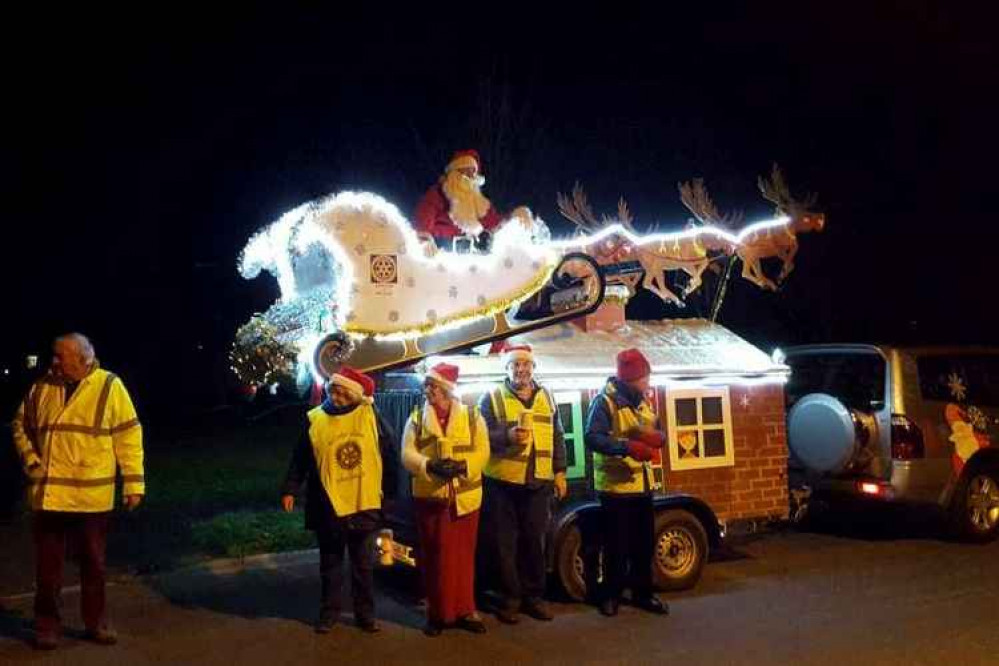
x=75, y=432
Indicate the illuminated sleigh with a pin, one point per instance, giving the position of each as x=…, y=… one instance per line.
x=398, y=303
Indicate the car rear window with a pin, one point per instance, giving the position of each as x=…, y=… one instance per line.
x=969, y=378
x=857, y=379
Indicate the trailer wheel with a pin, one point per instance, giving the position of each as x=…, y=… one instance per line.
x=681, y=549
x=569, y=566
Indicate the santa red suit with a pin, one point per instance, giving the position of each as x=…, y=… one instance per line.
x=455, y=205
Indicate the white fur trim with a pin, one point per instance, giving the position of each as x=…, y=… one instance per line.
x=463, y=162
x=440, y=380
x=518, y=355
x=356, y=389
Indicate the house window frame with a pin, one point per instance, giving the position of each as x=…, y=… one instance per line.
x=673, y=429
x=573, y=431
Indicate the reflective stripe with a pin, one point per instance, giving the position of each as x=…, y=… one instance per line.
x=521, y=459
x=134, y=478
x=102, y=402
x=425, y=442
x=472, y=485
x=77, y=483
x=543, y=454
x=499, y=406
x=462, y=449
x=542, y=418
x=122, y=427
x=81, y=429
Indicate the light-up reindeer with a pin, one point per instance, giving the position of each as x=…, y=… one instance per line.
x=779, y=242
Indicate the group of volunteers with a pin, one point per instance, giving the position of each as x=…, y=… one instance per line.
x=77, y=431
x=504, y=458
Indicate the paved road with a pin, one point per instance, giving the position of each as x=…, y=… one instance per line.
x=790, y=598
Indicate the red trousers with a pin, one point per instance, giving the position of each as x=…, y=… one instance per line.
x=447, y=549
x=86, y=534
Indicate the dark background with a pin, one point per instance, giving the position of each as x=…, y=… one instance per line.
x=143, y=148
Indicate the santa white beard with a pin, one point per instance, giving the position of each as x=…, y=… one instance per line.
x=467, y=203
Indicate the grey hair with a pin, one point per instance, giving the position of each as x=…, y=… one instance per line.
x=82, y=343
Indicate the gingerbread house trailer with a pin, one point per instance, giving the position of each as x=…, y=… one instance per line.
x=719, y=400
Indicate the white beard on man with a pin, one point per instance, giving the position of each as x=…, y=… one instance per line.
x=467, y=203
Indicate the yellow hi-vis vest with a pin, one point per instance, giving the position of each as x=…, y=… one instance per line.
x=72, y=450
x=348, y=458
x=623, y=475
x=512, y=465
x=460, y=442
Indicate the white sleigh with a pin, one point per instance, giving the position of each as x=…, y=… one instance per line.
x=383, y=282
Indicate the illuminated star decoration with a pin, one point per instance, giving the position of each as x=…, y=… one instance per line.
x=745, y=401
x=958, y=390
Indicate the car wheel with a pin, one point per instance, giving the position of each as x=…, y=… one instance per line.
x=576, y=559
x=975, y=509
x=681, y=549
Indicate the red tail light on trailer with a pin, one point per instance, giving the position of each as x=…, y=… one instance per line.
x=906, y=438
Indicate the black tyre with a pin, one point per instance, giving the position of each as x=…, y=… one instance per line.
x=569, y=565
x=681, y=549
x=975, y=507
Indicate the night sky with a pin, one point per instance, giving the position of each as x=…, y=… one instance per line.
x=142, y=150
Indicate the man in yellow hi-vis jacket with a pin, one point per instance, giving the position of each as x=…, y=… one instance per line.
x=74, y=431
x=526, y=468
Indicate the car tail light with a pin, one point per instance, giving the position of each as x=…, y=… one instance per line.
x=874, y=489
x=906, y=438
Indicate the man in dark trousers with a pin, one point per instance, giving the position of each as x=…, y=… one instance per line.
x=526, y=467
x=621, y=432
x=346, y=456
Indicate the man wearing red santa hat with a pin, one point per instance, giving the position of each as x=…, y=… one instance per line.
x=445, y=447
x=348, y=458
x=455, y=205
x=621, y=432
x=526, y=467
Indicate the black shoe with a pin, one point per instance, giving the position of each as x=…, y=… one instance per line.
x=507, y=616
x=324, y=625
x=101, y=636
x=537, y=609
x=608, y=607
x=472, y=624
x=651, y=604
x=368, y=625
x=433, y=629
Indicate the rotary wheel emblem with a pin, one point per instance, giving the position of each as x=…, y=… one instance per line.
x=348, y=456
x=383, y=268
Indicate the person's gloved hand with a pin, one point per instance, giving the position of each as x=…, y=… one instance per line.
x=638, y=450
x=441, y=469
x=651, y=437
x=460, y=467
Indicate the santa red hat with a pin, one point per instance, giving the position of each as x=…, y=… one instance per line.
x=464, y=159
x=632, y=365
x=444, y=374
x=357, y=383
x=518, y=353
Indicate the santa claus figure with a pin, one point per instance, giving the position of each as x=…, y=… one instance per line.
x=455, y=205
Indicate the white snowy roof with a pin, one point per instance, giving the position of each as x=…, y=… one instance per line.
x=678, y=348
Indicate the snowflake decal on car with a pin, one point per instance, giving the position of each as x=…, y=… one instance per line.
x=957, y=386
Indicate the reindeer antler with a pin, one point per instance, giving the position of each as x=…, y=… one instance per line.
x=577, y=209
x=695, y=197
x=776, y=191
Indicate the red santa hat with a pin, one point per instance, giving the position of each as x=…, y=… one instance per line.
x=444, y=374
x=632, y=365
x=464, y=159
x=518, y=353
x=357, y=383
